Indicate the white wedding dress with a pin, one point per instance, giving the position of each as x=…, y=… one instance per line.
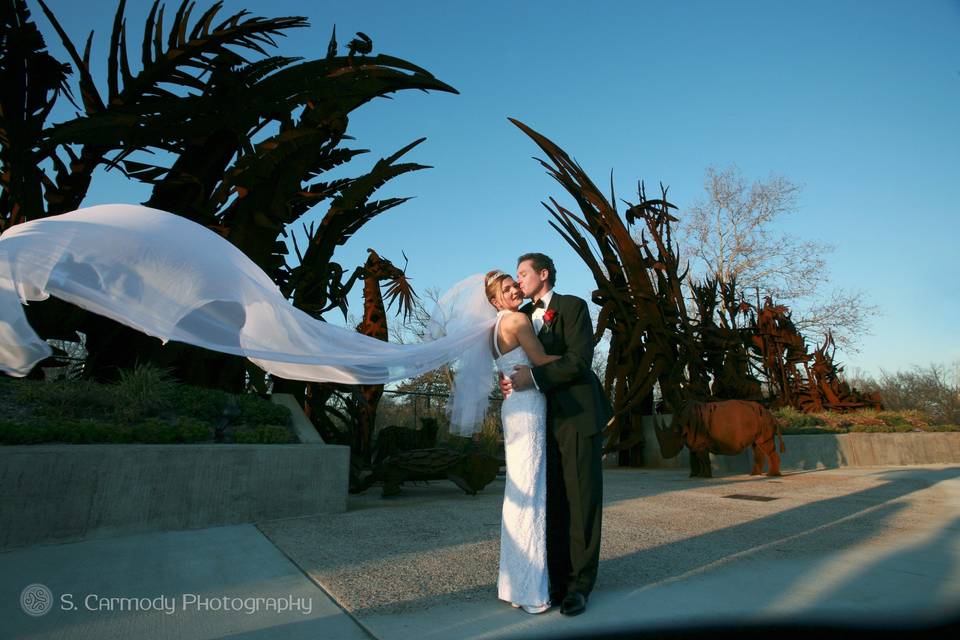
x=523, y=530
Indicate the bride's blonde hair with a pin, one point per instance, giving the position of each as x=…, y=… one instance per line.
x=492, y=285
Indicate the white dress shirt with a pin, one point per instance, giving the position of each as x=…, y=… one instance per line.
x=537, y=315
x=537, y=318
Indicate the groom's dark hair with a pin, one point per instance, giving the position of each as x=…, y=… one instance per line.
x=541, y=262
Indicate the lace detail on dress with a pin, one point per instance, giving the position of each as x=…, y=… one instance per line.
x=523, y=535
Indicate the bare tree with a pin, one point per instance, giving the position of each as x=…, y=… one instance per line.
x=934, y=390
x=730, y=234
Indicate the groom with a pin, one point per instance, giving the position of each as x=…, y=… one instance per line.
x=577, y=411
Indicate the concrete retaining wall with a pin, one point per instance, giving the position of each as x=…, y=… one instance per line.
x=58, y=493
x=825, y=451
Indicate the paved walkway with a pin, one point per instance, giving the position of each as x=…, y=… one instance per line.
x=854, y=545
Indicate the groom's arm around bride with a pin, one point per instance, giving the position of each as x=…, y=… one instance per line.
x=572, y=388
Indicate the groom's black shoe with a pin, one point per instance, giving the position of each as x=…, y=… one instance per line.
x=574, y=604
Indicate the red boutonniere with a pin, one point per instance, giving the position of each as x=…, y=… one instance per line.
x=549, y=317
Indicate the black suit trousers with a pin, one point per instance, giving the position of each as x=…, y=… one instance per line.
x=574, y=508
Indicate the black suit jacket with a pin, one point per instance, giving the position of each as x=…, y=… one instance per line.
x=575, y=395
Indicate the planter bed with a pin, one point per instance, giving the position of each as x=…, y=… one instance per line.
x=828, y=451
x=58, y=493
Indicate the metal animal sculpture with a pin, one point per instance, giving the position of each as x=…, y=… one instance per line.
x=362, y=44
x=374, y=324
x=470, y=471
x=393, y=440
x=727, y=428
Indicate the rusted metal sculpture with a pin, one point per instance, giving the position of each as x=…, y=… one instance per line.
x=358, y=404
x=374, y=324
x=471, y=471
x=809, y=382
x=653, y=339
x=727, y=428
x=638, y=291
x=825, y=389
x=394, y=440
x=722, y=342
x=248, y=141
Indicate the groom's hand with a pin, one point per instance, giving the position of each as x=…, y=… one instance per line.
x=522, y=378
x=506, y=385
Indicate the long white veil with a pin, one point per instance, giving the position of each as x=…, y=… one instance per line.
x=176, y=280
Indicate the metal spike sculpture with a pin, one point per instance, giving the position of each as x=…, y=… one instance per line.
x=809, y=382
x=723, y=343
x=653, y=338
x=825, y=386
x=250, y=141
x=638, y=291
x=358, y=403
x=374, y=324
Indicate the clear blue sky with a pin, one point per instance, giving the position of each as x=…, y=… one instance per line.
x=857, y=101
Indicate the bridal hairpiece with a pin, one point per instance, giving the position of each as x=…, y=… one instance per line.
x=493, y=277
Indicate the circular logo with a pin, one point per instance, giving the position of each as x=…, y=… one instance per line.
x=36, y=600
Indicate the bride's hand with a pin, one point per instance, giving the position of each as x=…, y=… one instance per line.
x=506, y=385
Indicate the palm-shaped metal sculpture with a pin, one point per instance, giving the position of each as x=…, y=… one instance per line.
x=247, y=143
x=361, y=401
x=638, y=291
x=31, y=80
x=137, y=110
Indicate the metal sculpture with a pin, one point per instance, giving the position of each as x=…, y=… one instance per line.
x=250, y=137
x=808, y=382
x=638, y=291
x=653, y=339
x=826, y=390
x=394, y=440
x=470, y=471
x=356, y=406
x=727, y=428
x=723, y=343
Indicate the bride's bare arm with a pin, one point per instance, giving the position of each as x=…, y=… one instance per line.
x=522, y=328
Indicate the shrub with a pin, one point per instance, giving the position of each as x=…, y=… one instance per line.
x=789, y=417
x=146, y=406
x=192, y=430
x=895, y=420
x=203, y=404
x=67, y=399
x=143, y=391
x=254, y=410
x=811, y=430
x=156, y=431
x=794, y=422
x=17, y=433
x=264, y=434
x=85, y=431
x=881, y=428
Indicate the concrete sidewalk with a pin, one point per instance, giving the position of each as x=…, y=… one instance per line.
x=852, y=544
x=187, y=584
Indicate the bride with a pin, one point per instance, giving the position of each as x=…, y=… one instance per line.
x=523, y=538
x=177, y=280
